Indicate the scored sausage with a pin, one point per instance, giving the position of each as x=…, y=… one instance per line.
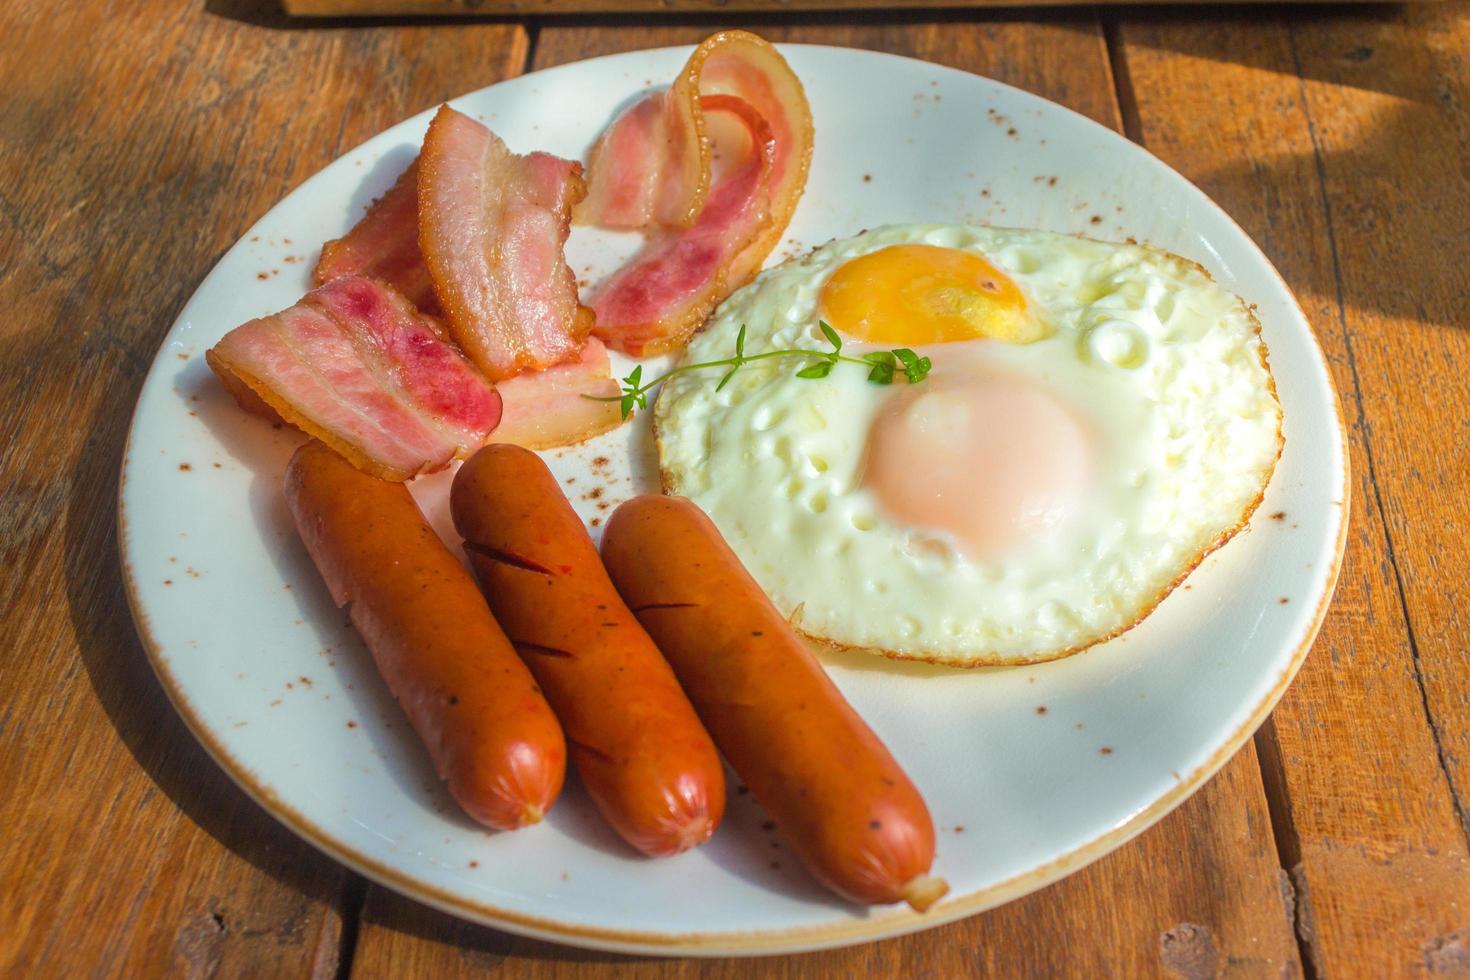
x=642, y=753
x=488, y=729
x=853, y=817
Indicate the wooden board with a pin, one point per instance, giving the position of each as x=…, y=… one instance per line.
x=133, y=151
x=1352, y=178
x=1124, y=915
x=671, y=8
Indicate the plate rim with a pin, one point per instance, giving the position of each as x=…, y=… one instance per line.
x=880, y=924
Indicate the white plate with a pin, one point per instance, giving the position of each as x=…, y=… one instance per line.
x=278, y=688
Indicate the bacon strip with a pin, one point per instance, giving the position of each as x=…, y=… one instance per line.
x=384, y=245
x=652, y=165
x=492, y=225
x=744, y=65
x=640, y=170
x=658, y=299
x=356, y=366
x=546, y=409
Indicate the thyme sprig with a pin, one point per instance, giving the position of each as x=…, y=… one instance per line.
x=883, y=366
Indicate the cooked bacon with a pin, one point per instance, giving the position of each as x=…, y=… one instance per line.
x=656, y=301
x=355, y=365
x=652, y=165
x=384, y=244
x=744, y=65
x=491, y=226
x=658, y=139
x=545, y=409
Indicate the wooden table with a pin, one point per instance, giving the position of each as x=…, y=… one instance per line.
x=138, y=140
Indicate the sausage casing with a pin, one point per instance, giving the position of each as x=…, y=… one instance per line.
x=488, y=729
x=833, y=789
x=642, y=753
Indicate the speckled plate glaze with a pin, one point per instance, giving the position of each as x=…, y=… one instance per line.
x=1030, y=772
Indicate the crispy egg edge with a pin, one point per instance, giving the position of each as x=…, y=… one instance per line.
x=669, y=488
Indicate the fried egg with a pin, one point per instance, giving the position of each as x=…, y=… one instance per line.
x=1097, y=418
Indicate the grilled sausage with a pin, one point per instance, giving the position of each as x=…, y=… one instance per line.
x=488, y=729
x=853, y=817
x=640, y=749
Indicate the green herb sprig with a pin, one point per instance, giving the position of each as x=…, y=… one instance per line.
x=882, y=365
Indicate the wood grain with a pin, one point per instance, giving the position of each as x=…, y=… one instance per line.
x=522, y=8
x=1059, y=54
x=134, y=147
x=1339, y=142
x=136, y=144
x=1223, y=908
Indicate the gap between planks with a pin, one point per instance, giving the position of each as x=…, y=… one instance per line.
x=1358, y=848
x=356, y=888
x=1287, y=841
x=1268, y=750
x=1340, y=311
x=1115, y=61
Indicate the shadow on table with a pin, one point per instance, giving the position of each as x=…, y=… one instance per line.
x=478, y=946
x=1376, y=101
x=271, y=14
x=136, y=705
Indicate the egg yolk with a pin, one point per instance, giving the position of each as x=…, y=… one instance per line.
x=993, y=460
x=925, y=294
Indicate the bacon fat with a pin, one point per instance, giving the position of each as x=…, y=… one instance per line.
x=355, y=365
x=661, y=296
x=384, y=244
x=545, y=409
x=492, y=225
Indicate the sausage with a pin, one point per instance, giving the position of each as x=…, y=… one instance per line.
x=642, y=753
x=833, y=789
x=486, y=725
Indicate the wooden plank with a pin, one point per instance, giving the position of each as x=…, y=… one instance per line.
x=1141, y=911
x=1195, y=895
x=133, y=150
x=1058, y=54
x=1339, y=142
x=1388, y=98
x=473, y=8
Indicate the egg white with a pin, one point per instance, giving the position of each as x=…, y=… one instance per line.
x=1166, y=368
